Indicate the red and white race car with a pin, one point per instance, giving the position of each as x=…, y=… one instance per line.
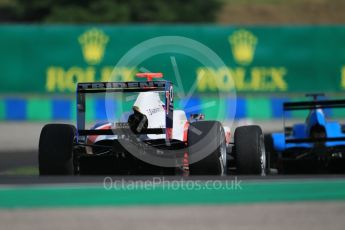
x=151, y=139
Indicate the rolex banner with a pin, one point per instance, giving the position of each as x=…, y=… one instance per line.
x=44, y=59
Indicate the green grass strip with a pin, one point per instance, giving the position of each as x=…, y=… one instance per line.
x=181, y=193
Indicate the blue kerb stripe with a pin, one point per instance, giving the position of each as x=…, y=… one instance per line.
x=191, y=106
x=102, y=106
x=61, y=109
x=230, y=108
x=241, y=108
x=277, y=108
x=15, y=109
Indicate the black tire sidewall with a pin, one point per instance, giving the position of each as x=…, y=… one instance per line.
x=55, y=155
x=204, y=147
x=248, y=149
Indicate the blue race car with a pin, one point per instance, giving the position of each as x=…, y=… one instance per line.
x=315, y=146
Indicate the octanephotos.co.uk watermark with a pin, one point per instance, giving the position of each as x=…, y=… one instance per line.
x=161, y=183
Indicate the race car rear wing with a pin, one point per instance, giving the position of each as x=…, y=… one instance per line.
x=124, y=87
x=289, y=106
x=103, y=87
x=313, y=140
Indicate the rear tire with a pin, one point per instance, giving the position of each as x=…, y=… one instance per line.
x=55, y=154
x=250, y=150
x=206, y=140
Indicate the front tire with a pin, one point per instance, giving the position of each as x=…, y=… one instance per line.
x=55, y=154
x=250, y=150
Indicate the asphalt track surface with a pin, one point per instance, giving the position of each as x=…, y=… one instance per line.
x=316, y=216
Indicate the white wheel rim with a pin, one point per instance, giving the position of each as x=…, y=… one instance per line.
x=223, y=157
x=263, y=155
